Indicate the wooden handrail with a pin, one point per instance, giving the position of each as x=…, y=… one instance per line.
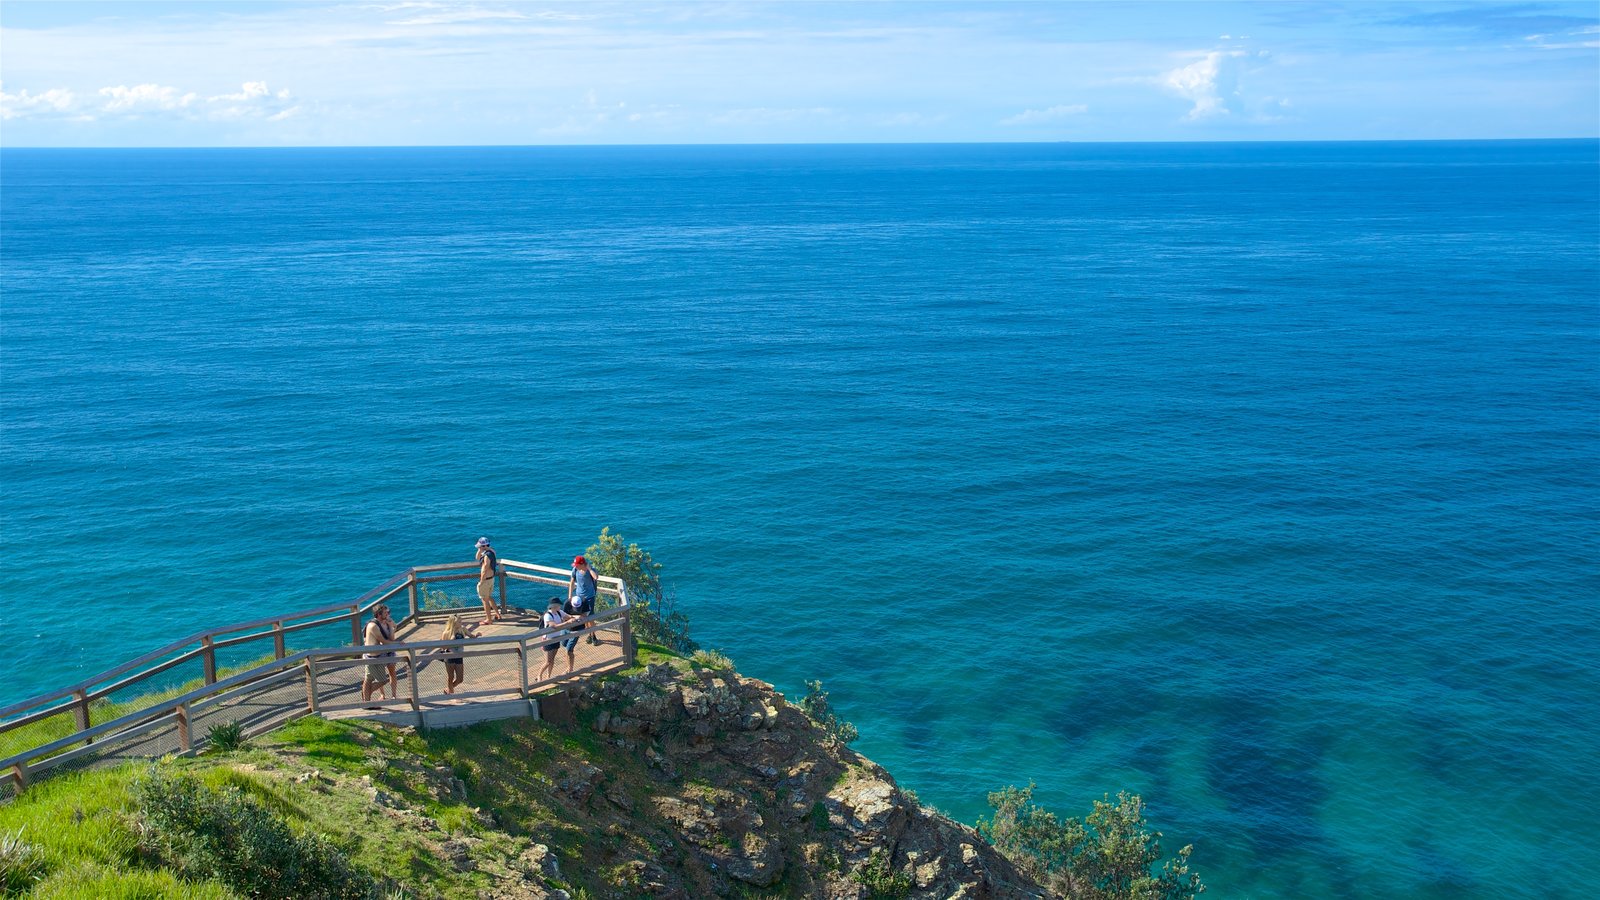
x=148, y=657
x=211, y=693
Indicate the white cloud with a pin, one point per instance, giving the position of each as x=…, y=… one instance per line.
x=1038, y=116
x=451, y=14
x=253, y=99
x=1210, y=83
x=145, y=97
x=1575, y=39
x=56, y=101
x=250, y=91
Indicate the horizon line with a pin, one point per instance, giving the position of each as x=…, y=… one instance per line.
x=1475, y=140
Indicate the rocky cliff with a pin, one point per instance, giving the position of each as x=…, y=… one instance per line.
x=671, y=780
x=740, y=791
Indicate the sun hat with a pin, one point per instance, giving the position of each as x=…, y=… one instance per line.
x=483, y=542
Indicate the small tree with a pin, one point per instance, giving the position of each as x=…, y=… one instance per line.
x=654, y=621
x=816, y=705
x=1107, y=855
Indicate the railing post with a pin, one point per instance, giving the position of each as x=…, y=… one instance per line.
x=522, y=657
x=81, y=709
x=185, y=740
x=311, y=684
x=627, y=637
x=355, y=624
x=411, y=588
x=411, y=676
x=277, y=640
x=208, y=658
x=501, y=577
x=19, y=776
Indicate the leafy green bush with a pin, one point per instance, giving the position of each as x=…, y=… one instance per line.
x=230, y=837
x=654, y=621
x=224, y=737
x=1107, y=855
x=882, y=880
x=815, y=704
x=21, y=864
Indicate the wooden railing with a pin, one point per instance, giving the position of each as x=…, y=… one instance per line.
x=179, y=712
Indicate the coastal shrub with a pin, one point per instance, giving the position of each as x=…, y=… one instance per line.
x=816, y=705
x=232, y=838
x=712, y=659
x=818, y=816
x=654, y=619
x=21, y=864
x=881, y=879
x=1110, y=854
x=430, y=598
x=224, y=737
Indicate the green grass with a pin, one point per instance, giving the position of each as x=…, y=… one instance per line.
x=310, y=773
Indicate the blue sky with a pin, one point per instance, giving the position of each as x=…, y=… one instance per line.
x=419, y=73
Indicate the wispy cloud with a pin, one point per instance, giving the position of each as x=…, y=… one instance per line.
x=1586, y=38
x=253, y=100
x=1041, y=116
x=144, y=98
x=1500, y=19
x=56, y=101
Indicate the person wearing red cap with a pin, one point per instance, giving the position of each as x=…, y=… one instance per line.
x=581, y=590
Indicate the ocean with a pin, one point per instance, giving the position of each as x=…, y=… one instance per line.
x=1262, y=480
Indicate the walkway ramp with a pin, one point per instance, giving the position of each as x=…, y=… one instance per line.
x=153, y=706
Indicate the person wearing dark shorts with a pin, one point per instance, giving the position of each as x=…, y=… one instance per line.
x=582, y=589
x=554, y=618
x=455, y=666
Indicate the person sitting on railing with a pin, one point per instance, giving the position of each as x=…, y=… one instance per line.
x=582, y=588
x=455, y=667
x=554, y=618
x=379, y=631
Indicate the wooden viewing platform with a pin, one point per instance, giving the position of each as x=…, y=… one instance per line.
x=154, y=705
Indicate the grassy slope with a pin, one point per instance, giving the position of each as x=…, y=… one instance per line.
x=86, y=829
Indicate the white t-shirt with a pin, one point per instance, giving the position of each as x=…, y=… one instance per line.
x=551, y=620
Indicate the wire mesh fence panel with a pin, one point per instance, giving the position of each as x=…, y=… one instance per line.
x=147, y=692
x=242, y=657
x=439, y=595
x=338, y=681
x=532, y=595
x=317, y=637
x=42, y=731
x=270, y=702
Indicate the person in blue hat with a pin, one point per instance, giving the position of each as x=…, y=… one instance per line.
x=488, y=567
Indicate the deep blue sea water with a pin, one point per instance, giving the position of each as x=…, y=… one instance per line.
x=1261, y=479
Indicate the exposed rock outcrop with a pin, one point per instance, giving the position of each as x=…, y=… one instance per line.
x=752, y=794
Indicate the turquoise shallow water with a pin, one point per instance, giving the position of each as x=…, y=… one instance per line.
x=1260, y=479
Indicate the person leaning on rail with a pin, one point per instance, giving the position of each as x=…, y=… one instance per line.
x=554, y=618
x=380, y=630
